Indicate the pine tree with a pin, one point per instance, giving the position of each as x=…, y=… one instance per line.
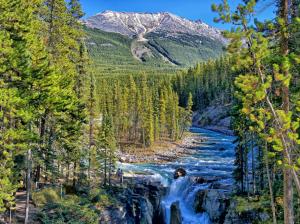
x=91, y=108
x=106, y=146
x=162, y=113
x=132, y=107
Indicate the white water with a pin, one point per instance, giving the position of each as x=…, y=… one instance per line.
x=207, y=162
x=183, y=190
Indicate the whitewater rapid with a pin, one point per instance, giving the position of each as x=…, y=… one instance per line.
x=213, y=158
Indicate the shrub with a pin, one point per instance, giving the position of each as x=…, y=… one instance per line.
x=45, y=196
x=67, y=211
x=101, y=198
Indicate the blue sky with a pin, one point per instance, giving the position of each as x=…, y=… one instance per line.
x=191, y=9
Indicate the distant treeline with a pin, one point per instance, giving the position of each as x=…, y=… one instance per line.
x=207, y=82
x=144, y=108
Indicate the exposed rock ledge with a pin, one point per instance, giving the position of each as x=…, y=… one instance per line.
x=215, y=118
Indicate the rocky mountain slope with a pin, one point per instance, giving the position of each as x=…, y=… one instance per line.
x=162, y=37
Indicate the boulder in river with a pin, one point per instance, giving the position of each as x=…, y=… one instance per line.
x=179, y=172
x=204, y=180
x=175, y=213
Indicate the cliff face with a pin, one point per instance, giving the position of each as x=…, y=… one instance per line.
x=215, y=117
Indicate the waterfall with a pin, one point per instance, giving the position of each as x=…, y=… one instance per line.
x=213, y=159
x=184, y=191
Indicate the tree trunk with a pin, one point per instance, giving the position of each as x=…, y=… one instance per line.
x=261, y=169
x=242, y=169
x=74, y=174
x=288, y=196
x=253, y=166
x=270, y=189
x=105, y=168
x=109, y=172
x=287, y=175
x=28, y=186
x=143, y=136
x=68, y=172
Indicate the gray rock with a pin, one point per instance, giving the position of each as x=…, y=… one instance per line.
x=146, y=209
x=214, y=202
x=204, y=180
x=175, y=213
x=179, y=172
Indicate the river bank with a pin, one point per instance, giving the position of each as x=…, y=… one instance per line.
x=164, y=151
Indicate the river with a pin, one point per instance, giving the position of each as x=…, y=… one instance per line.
x=213, y=159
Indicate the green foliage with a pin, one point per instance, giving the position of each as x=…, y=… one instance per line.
x=46, y=196
x=207, y=81
x=101, y=198
x=72, y=208
x=67, y=211
x=39, y=106
x=143, y=109
x=20, y=76
x=245, y=204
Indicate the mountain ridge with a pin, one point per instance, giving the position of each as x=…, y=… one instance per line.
x=136, y=23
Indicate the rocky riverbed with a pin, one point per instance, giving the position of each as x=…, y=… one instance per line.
x=163, y=152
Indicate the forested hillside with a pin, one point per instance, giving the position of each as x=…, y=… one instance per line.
x=111, y=55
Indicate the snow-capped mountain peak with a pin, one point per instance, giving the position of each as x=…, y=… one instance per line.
x=134, y=24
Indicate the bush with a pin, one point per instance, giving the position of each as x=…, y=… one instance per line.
x=45, y=196
x=101, y=198
x=67, y=211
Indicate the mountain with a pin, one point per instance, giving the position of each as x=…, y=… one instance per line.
x=160, y=39
x=140, y=24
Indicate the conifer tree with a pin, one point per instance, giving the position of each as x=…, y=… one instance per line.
x=162, y=113
x=106, y=146
x=25, y=72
